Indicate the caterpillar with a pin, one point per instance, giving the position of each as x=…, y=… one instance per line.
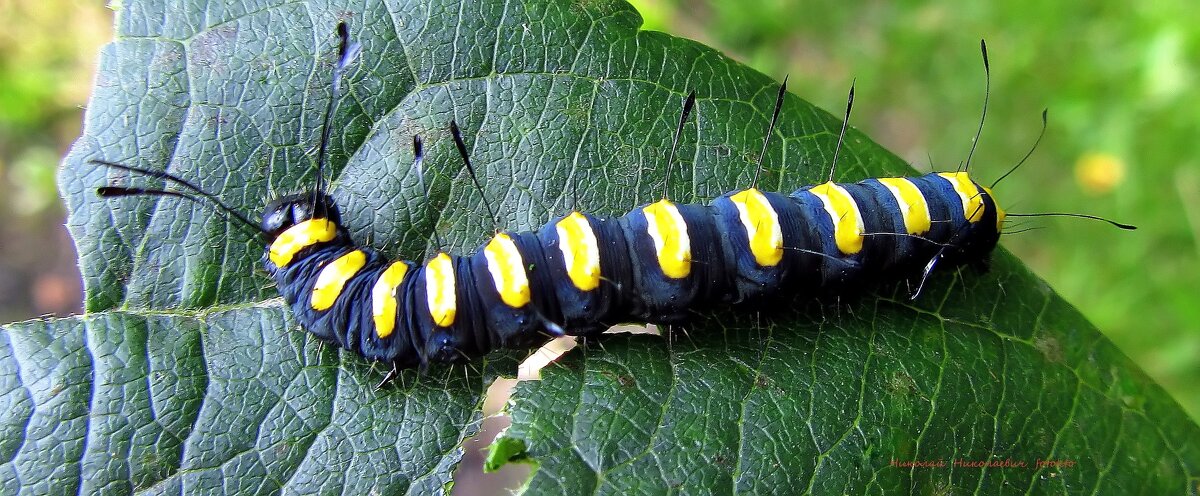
x=581, y=273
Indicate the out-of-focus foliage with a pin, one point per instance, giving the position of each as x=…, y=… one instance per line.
x=47, y=56
x=46, y=77
x=1118, y=79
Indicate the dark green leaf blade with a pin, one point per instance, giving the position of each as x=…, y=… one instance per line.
x=224, y=401
x=839, y=403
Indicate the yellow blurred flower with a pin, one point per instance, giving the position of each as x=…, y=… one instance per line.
x=1099, y=173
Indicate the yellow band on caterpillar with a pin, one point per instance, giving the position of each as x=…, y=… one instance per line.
x=847, y=220
x=672, y=246
x=508, y=270
x=439, y=290
x=913, y=206
x=999, y=211
x=299, y=237
x=580, y=250
x=967, y=192
x=383, y=298
x=762, y=226
x=333, y=277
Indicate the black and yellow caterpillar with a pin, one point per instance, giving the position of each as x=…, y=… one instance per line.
x=581, y=273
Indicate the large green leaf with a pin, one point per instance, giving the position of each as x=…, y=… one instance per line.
x=992, y=368
x=189, y=377
x=228, y=400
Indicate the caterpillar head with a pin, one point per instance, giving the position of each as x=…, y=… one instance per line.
x=290, y=210
x=287, y=211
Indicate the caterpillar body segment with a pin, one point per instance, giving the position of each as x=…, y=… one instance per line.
x=588, y=266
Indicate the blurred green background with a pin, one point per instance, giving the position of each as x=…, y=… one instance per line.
x=1118, y=78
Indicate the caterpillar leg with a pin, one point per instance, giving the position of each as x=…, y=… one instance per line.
x=391, y=376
